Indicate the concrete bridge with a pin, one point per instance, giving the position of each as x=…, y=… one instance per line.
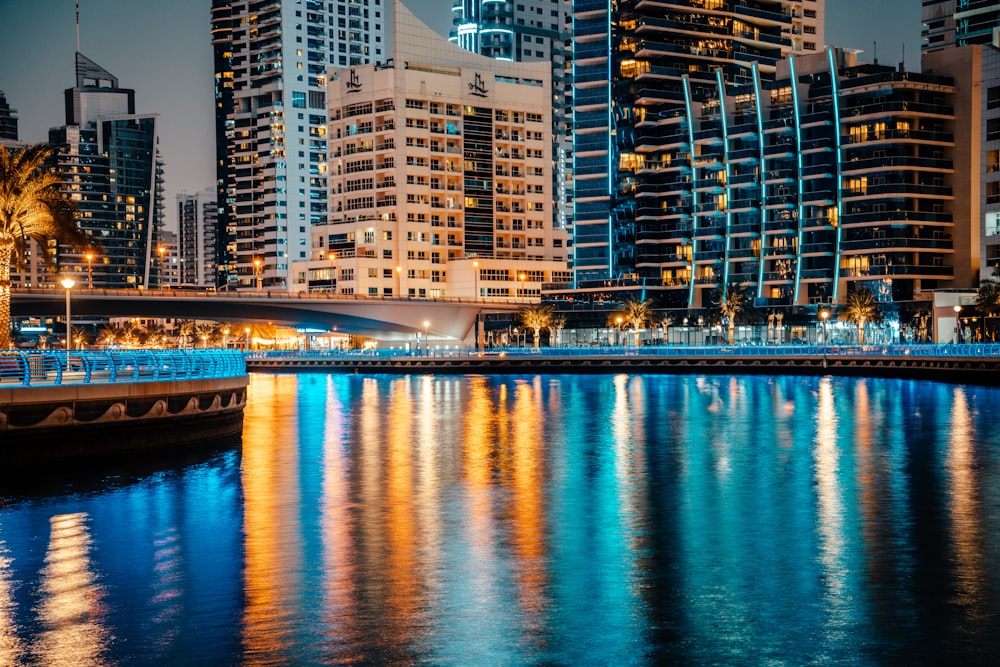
x=385, y=319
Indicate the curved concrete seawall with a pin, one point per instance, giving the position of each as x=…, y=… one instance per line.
x=113, y=403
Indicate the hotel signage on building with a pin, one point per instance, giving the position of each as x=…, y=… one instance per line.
x=478, y=84
x=353, y=83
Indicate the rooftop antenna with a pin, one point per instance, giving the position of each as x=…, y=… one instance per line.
x=902, y=63
x=78, y=26
x=874, y=44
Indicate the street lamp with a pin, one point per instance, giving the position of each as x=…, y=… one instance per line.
x=90, y=269
x=225, y=338
x=958, y=323
x=824, y=314
x=618, y=329
x=427, y=344
x=256, y=271
x=246, y=343
x=68, y=284
x=162, y=250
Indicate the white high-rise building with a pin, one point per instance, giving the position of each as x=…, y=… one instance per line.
x=440, y=177
x=271, y=60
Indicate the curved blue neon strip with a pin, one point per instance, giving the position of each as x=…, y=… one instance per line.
x=694, y=190
x=798, y=161
x=612, y=151
x=840, y=204
x=729, y=189
x=760, y=177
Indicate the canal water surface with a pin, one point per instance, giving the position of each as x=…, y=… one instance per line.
x=558, y=520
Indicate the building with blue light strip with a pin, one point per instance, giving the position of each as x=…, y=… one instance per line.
x=797, y=175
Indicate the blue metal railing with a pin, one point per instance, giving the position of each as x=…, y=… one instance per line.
x=51, y=367
x=922, y=350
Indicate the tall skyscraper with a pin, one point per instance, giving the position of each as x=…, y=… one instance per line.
x=8, y=120
x=529, y=31
x=949, y=23
x=109, y=156
x=271, y=59
x=962, y=40
x=198, y=233
x=636, y=65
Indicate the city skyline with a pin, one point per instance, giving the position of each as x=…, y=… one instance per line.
x=47, y=30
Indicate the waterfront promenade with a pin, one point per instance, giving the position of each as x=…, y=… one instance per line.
x=57, y=405
x=972, y=363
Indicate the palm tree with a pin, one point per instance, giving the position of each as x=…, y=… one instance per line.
x=154, y=334
x=738, y=301
x=557, y=325
x=110, y=333
x=31, y=207
x=207, y=332
x=184, y=329
x=637, y=314
x=861, y=309
x=536, y=318
x=988, y=300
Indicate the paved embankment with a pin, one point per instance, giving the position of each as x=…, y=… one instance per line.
x=973, y=367
x=55, y=407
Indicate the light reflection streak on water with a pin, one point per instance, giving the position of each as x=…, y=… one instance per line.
x=403, y=568
x=70, y=610
x=337, y=528
x=963, y=506
x=830, y=513
x=273, y=534
x=167, y=592
x=11, y=648
x=475, y=559
x=527, y=507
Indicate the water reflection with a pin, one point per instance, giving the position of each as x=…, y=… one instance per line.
x=619, y=519
x=70, y=611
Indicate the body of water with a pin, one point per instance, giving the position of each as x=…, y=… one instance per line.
x=559, y=520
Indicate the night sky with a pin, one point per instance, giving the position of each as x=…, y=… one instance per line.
x=162, y=49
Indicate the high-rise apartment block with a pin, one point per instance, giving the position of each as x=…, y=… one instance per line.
x=831, y=176
x=8, y=120
x=529, y=31
x=948, y=23
x=440, y=176
x=109, y=157
x=961, y=39
x=271, y=60
x=198, y=233
x=636, y=64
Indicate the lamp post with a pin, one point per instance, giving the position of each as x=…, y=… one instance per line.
x=162, y=250
x=427, y=343
x=246, y=343
x=618, y=321
x=958, y=323
x=256, y=271
x=332, y=256
x=225, y=338
x=824, y=314
x=68, y=284
x=90, y=269
x=475, y=278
